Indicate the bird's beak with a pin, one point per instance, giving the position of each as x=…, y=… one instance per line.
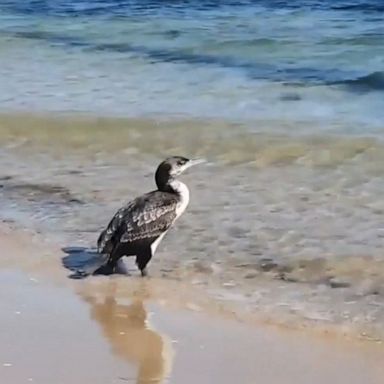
x=193, y=162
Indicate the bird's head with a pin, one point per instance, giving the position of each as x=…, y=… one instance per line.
x=172, y=167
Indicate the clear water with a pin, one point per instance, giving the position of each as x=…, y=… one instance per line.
x=315, y=62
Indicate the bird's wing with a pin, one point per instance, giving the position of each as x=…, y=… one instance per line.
x=146, y=216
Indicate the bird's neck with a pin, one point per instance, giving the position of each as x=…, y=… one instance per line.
x=172, y=185
x=182, y=192
x=179, y=188
x=176, y=187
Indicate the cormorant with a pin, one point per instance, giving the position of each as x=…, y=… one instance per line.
x=138, y=227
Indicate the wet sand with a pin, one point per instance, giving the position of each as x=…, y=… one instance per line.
x=127, y=329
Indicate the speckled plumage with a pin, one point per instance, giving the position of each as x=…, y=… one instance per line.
x=144, y=218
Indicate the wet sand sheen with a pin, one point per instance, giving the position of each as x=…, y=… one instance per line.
x=102, y=334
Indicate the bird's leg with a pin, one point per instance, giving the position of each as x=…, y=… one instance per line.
x=111, y=265
x=142, y=260
x=144, y=272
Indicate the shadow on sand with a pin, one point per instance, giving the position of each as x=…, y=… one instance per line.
x=82, y=262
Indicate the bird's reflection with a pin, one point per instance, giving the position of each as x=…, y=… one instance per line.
x=125, y=325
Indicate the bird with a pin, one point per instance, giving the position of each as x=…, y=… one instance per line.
x=138, y=227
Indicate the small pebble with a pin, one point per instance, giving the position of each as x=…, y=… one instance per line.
x=250, y=275
x=333, y=283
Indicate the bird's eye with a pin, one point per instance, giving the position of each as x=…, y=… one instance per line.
x=180, y=162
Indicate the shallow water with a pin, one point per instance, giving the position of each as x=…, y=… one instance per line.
x=290, y=229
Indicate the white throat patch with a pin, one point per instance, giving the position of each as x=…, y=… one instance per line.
x=183, y=191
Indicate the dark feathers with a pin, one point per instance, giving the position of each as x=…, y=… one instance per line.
x=146, y=217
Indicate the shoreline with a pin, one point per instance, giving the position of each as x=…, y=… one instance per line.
x=180, y=295
x=134, y=329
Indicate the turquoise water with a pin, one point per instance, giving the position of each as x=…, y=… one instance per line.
x=311, y=62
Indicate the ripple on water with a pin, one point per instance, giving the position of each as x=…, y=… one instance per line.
x=309, y=233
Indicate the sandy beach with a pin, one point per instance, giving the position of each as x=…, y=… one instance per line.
x=128, y=329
